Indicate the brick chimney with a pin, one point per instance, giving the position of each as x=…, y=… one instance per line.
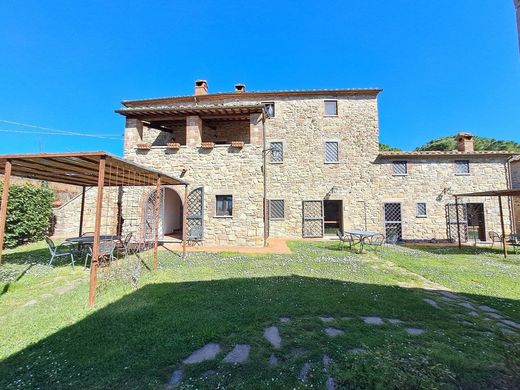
x=240, y=88
x=464, y=142
x=201, y=87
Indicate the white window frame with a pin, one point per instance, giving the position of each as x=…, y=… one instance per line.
x=425, y=215
x=325, y=151
x=462, y=173
x=394, y=164
x=271, y=154
x=325, y=107
x=276, y=219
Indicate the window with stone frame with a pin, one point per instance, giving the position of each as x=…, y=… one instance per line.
x=331, y=152
x=400, y=168
x=420, y=210
x=462, y=167
x=331, y=107
x=269, y=109
x=224, y=205
x=276, y=209
x=276, y=152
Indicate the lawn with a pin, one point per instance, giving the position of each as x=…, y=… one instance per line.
x=138, y=335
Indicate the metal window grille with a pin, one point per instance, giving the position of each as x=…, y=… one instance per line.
x=277, y=209
x=224, y=205
x=421, y=209
x=451, y=222
x=461, y=167
x=312, y=218
x=400, y=167
x=393, y=222
x=331, y=107
x=269, y=109
x=276, y=151
x=194, y=220
x=331, y=152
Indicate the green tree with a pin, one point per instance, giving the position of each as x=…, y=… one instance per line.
x=388, y=148
x=480, y=143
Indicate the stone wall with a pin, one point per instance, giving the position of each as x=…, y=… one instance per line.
x=515, y=183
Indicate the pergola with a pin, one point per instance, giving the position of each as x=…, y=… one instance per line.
x=88, y=169
x=492, y=193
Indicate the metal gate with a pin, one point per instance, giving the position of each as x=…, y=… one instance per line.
x=393, y=222
x=312, y=225
x=151, y=215
x=195, y=214
x=451, y=222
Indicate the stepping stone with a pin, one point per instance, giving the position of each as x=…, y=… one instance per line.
x=357, y=350
x=431, y=302
x=448, y=294
x=239, y=354
x=207, y=374
x=488, y=309
x=273, y=360
x=271, y=334
x=207, y=352
x=330, y=385
x=175, y=379
x=473, y=313
x=414, y=331
x=467, y=305
x=507, y=330
x=467, y=323
x=304, y=372
x=373, y=320
x=326, y=319
x=511, y=323
x=333, y=332
x=494, y=315
x=346, y=318
x=285, y=320
x=394, y=321
x=326, y=361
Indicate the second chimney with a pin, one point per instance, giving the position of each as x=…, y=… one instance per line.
x=240, y=88
x=201, y=87
x=465, y=142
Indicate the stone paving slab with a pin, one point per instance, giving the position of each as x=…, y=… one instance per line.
x=273, y=360
x=285, y=320
x=207, y=352
x=272, y=335
x=414, y=331
x=394, y=321
x=176, y=378
x=511, y=323
x=333, y=332
x=346, y=318
x=326, y=361
x=431, y=302
x=304, y=372
x=467, y=305
x=373, y=320
x=326, y=319
x=473, y=313
x=357, y=350
x=239, y=354
x=330, y=385
x=494, y=315
x=488, y=309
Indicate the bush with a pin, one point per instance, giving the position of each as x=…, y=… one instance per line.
x=29, y=213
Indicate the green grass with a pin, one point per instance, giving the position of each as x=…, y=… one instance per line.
x=136, y=337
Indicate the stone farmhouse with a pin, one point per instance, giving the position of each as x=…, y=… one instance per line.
x=314, y=157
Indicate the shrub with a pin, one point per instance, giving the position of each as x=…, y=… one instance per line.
x=29, y=212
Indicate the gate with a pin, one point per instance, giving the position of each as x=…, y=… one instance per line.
x=151, y=215
x=312, y=225
x=451, y=222
x=393, y=222
x=195, y=214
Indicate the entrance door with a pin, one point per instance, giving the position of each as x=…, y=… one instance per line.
x=195, y=218
x=312, y=224
x=333, y=215
x=476, y=223
x=393, y=222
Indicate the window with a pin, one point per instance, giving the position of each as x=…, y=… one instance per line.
x=331, y=152
x=277, y=209
x=331, y=107
x=400, y=168
x=421, y=209
x=224, y=205
x=462, y=167
x=276, y=152
x=269, y=109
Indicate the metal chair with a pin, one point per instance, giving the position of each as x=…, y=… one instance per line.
x=495, y=237
x=124, y=245
x=514, y=242
x=377, y=241
x=343, y=239
x=194, y=235
x=106, y=250
x=62, y=250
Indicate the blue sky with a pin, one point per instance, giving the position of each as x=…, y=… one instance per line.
x=444, y=65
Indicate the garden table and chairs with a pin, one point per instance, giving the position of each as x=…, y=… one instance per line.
x=359, y=238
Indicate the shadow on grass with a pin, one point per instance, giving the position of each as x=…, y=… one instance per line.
x=137, y=341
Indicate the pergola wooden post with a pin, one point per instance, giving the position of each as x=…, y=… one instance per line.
x=504, y=241
x=157, y=217
x=3, y=207
x=97, y=231
x=458, y=220
x=82, y=211
x=184, y=221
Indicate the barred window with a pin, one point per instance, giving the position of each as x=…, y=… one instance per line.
x=462, y=167
x=331, y=152
x=277, y=209
x=224, y=205
x=276, y=152
x=331, y=107
x=421, y=209
x=400, y=168
x=269, y=109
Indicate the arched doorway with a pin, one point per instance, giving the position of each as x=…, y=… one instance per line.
x=170, y=215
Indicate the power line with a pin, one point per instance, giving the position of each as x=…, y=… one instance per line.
x=52, y=131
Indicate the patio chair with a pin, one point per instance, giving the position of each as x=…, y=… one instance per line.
x=377, y=241
x=106, y=250
x=62, y=250
x=343, y=239
x=495, y=237
x=194, y=235
x=514, y=242
x=124, y=245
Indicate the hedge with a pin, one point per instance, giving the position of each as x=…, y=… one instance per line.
x=29, y=213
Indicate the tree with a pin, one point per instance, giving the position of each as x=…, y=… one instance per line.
x=388, y=148
x=480, y=143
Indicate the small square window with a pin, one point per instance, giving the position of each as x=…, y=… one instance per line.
x=400, y=168
x=276, y=152
x=421, y=209
x=331, y=152
x=224, y=205
x=331, y=107
x=277, y=209
x=269, y=109
x=462, y=167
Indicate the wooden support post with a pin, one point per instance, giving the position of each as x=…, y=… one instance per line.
x=3, y=207
x=504, y=242
x=157, y=218
x=458, y=220
x=97, y=231
x=184, y=221
x=82, y=211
